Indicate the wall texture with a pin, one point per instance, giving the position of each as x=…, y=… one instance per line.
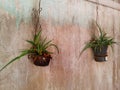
x=69, y=24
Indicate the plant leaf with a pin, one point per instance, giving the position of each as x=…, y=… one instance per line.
x=88, y=45
x=46, y=45
x=31, y=42
x=99, y=28
x=37, y=37
x=54, y=46
x=16, y=58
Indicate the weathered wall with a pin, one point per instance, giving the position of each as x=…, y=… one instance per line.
x=68, y=23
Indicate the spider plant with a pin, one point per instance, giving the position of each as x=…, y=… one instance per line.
x=39, y=47
x=97, y=43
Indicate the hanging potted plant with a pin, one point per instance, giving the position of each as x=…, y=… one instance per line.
x=99, y=45
x=38, y=52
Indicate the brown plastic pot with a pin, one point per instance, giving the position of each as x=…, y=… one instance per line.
x=40, y=60
x=100, y=55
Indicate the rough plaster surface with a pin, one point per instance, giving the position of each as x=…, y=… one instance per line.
x=68, y=23
x=20, y=9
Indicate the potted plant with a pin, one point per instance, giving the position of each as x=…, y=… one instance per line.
x=99, y=45
x=38, y=53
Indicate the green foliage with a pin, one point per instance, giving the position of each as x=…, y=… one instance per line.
x=16, y=58
x=39, y=46
x=98, y=42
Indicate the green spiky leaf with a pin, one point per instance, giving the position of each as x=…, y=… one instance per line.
x=16, y=58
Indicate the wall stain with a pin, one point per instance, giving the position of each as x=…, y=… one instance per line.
x=21, y=9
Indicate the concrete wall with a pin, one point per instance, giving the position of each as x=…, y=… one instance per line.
x=68, y=23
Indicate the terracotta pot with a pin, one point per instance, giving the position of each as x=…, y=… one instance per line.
x=100, y=55
x=40, y=60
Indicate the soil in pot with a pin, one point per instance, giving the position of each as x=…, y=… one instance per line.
x=100, y=55
x=40, y=60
